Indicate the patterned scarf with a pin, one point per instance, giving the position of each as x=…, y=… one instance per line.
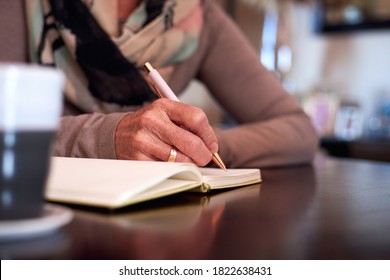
x=104, y=71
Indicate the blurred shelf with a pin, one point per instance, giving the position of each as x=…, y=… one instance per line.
x=351, y=15
x=370, y=149
x=341, y=28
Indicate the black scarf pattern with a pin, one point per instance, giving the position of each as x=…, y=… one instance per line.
x=111, y=77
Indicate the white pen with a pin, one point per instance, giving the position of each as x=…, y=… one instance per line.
x=164, y=91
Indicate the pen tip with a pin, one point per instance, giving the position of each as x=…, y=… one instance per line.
x=217, y=159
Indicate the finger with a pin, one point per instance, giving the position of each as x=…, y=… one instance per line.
x=187, y=143
x=159, y=150
x=194, y=120
x=147, y=146
x=190, y=145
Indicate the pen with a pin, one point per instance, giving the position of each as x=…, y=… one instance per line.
x=164, y=91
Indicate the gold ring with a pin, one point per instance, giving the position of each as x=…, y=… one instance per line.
x=172, y=155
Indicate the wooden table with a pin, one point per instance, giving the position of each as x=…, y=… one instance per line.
x=334, y=209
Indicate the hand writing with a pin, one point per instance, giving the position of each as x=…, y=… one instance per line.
x=151, y=132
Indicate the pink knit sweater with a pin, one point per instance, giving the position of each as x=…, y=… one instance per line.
x=272, y=129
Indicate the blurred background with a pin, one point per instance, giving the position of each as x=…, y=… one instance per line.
x=333, y=57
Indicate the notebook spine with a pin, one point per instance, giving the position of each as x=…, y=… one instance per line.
x=205, y=188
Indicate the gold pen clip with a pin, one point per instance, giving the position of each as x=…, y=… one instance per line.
x=149, y=68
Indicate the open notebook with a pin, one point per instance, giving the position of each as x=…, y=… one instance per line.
x=118, y=183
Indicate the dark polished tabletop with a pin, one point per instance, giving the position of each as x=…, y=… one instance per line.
x=333, y=209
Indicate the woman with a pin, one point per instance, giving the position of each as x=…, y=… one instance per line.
x=111, y=112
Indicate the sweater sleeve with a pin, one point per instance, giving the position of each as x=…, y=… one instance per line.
x=87, y=135
x=272, y=128
x=13, y=43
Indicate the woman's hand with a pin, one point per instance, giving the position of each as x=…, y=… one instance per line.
x=151, y=132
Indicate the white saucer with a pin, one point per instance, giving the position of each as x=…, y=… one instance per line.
x=54, y=216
